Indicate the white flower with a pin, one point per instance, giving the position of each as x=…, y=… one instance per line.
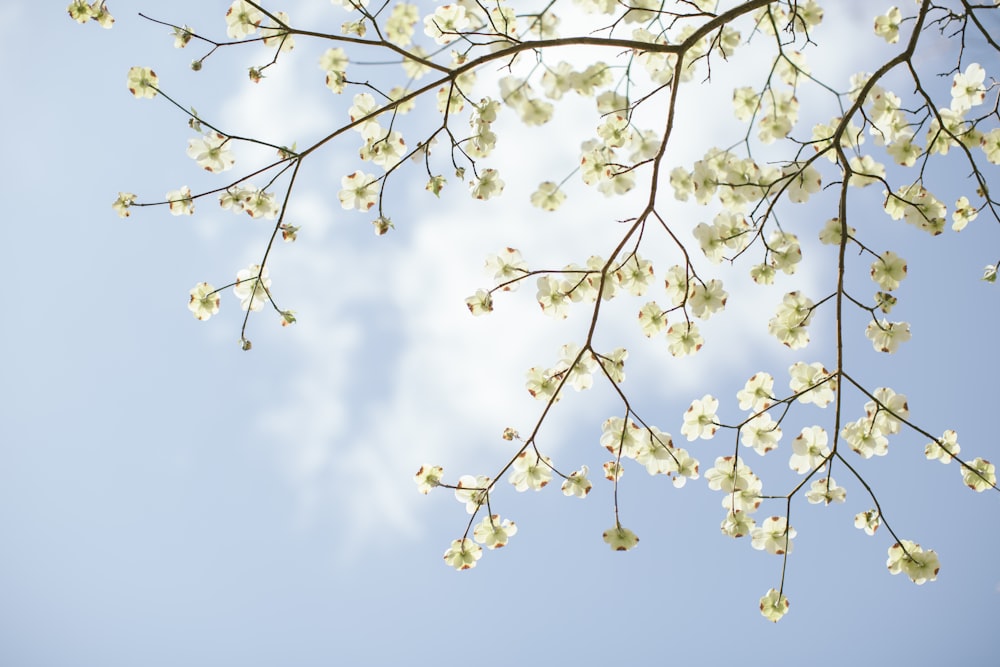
x=887, y=25
x=211, y=152
x=810, y=450
x=825, y=491
x=577, y=483
x=360, y=191
x=804, y=376
x=774, y=535
x=494, y=533
x=180, y=201
x=204, y=301
x=487, y=186
x=773, y=605
x=919, y=565
x=887, y=336
x=427, y=478
x=252, y=286
x=967, y=89
x=445, y=23
x=700, y=420
x=944, y=448
x=620, y=538
x=242, y=20
x=463, y=554
x=531, y=471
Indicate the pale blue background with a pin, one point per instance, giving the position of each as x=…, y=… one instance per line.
x=158, y=507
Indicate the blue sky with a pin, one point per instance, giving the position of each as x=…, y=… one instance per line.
x=166, y=498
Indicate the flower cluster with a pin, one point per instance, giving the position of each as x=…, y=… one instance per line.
x=871, y=129
x=97, y=11
x=918, y=564
x=649, y=447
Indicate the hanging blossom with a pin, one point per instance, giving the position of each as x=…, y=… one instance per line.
x=251, y=288
x=204, y=301
x=918, y=564
x=463, y=554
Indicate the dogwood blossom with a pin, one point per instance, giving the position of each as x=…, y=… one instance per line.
x=684, y=339
x=334, y=62
x=761, y=433
x=531, y=471
x=620, y=538
x=887, y=410
x=656, y=453
x=700, y=420
x=613, y=364
x=737, y=524
x=635, y=275
x=868, y=521
x=242, y=20
x=260, y=203
x=488, y=185
x=773, y=605
x=80, y=11
x=687, y=467
x=918, y=564
x=251, y=287
x=142, y=82
x=180, y=201
x=774, y=535
x=825, y=491
x=542, y=383
x=204, y=301
x=472, y=491
x=888, y=270
x=791, y=319
x=494, y=533
x=360, y=191
x=758, y=392
x=622, y=438
x=743, y=501
x=428, y=477
x=963, y=213
x=613, y=471
x=803, y=376
x=446, y=23
x=122, y=204
x=548, y=196
x=979, y=475
x=990, y=143
x=706, y=298
x=211, y=152
x=967, y=90
x=652, y=319
x=944, y=448
x=463, y=554
x=887, y=336
x=887, y=25
x=729, y=474
x=577, y=484
x=506, y=266
x=865, y=438
x=480, y=303
x=553, y=297
x=809, y=450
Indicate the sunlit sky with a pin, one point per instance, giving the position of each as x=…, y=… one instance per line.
x=167, y=498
